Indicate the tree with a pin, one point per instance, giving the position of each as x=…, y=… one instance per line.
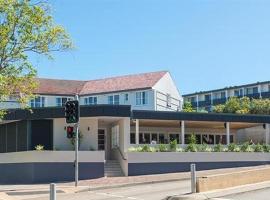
x=26, y=27
x=187, y=107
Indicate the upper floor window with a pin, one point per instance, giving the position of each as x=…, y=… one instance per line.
x=238, y=93
x=37, y=102
x=141, y=98
x=207, y=97
x=114, y=99
x=90, y=101
x=61, y=101
x=223, y=95
x=252, y=90
x=192, y=99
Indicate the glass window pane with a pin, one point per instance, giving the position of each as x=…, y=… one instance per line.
x=132, y=138
x=116, y=99
x=154, y=138
x=141, y=138
x=147, y=138
x=161, y=137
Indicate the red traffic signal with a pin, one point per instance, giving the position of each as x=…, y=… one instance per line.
x=70, y=132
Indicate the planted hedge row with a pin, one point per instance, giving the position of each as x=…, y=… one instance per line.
x=172, y=147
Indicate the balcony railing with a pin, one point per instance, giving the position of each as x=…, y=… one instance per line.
x=204, y=103
x=219, y=101
x=266, y=94
x=254, y=95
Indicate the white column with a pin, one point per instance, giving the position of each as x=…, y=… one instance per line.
x=267, y=133
x=228, y=132
x=183, y=132
x=126, y=132
x=137, y=131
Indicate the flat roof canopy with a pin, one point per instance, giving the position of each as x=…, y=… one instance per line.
x=193, y=124
x=125, y=111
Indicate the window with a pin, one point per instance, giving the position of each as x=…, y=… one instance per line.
x=114, y=99
x=223, y=95
x=126, y=97
x=61, y=101
x=141, y=98
x=169, y=100
x=255, y=90
x=161, y=138
x=132, y=138
x=90, y=101
x=174, y=137
x=37, y=102
x=207, y=97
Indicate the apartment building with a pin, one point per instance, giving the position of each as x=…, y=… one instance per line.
x=205, y=100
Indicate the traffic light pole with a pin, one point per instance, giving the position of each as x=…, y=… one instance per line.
x=77, y=147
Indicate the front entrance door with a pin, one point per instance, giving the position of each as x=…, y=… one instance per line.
x=101, y=139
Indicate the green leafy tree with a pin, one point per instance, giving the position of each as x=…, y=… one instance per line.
x=187, y=107
x=26, y=27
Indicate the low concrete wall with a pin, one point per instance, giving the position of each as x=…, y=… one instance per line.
x=141, y=163
x=49, y=166
x=221, y=181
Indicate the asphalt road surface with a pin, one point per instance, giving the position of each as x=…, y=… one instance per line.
x=262, y=194
x=153, y=191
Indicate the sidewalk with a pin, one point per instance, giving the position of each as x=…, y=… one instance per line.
x=110, y=182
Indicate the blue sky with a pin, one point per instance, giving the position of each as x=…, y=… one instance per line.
x=204, y=44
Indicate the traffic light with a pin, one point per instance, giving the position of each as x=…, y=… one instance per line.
x=72, y=111
x=70, y=132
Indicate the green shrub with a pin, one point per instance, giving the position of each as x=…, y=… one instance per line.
x=258, y=148
x=162, y=148
x=39, y=147
x=191, y=148
x=266, y=148
x=218, y=148
x=192, y=139
x=145, y=148
x=246, y=147
x=232, y=147
x=173, y=145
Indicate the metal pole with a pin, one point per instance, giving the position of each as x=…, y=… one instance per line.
x=52, y=191
x=193, y=177
x=77, y=148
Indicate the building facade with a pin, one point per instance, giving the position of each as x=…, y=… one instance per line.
x=149, y=91
x=205, y=100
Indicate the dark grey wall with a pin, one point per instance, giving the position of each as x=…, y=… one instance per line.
x=27, y=173
x=173, y=167
x=13, y=137
x=42, y=133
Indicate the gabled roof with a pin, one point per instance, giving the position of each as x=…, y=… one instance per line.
x=106, y=85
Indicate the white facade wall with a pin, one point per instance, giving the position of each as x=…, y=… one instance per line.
x=103, y=99
x=89, y=140
x=166, y=85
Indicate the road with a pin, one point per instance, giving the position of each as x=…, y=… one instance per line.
x=262, y=194
x=153, y=191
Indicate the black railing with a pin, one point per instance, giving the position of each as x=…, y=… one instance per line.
x=266, y=94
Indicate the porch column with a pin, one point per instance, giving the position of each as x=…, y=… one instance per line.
x=267, y=133
x=183, y=132
x=228, y=132
x=137, y=131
